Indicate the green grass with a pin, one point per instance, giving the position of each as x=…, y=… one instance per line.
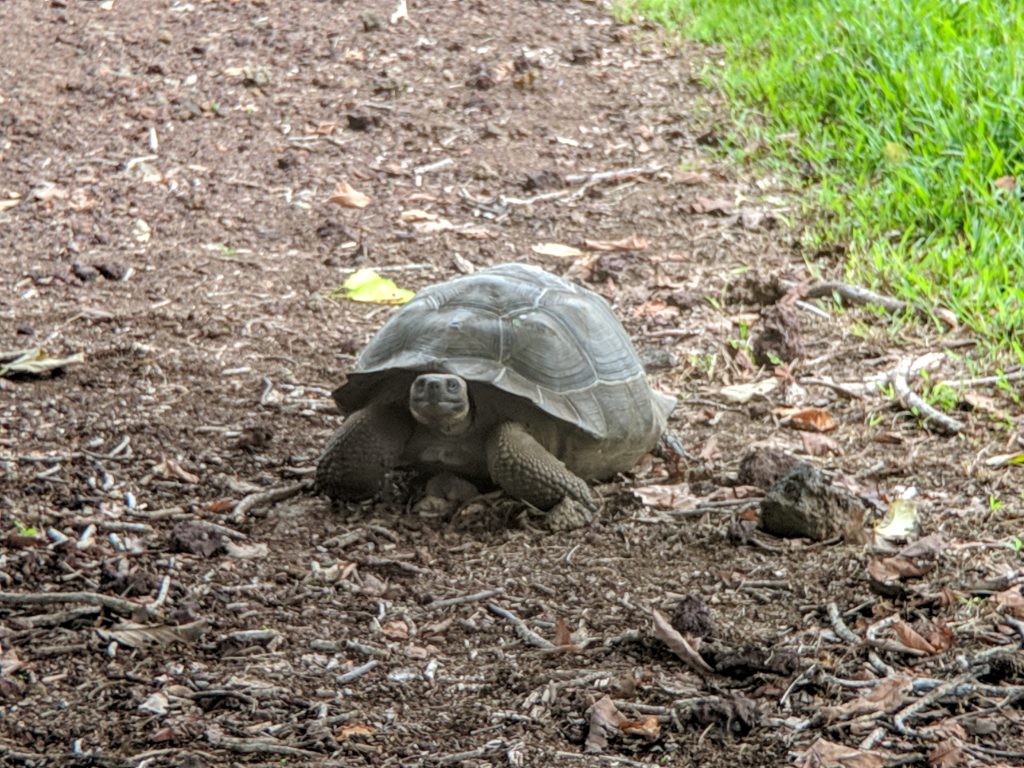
x=907, y=114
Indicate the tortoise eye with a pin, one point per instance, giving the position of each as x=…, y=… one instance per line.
x=453, y=385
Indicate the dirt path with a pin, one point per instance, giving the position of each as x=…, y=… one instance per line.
x=165, y=170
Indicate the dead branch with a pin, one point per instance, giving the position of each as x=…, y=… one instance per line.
x=463, y=599
x=524, y=633
x=258, y=746
x=839, y=626
x=914, y=402
x=274, y=495
x=116, y=604
x=1016, y=375
x=586, y=181
x=899, y=721
x=354, y=674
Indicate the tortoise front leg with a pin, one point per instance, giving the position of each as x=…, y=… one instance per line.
x=362, y=451
x=527, y=470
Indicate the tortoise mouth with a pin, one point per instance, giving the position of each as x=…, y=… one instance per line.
x=440, y=401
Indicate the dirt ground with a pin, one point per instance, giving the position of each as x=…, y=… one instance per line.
x=166, y=170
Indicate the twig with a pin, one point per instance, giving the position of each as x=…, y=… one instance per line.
x=463, y=599
x=913, y=402
x=252, y=746
x=490, y=748
x=525, y=634
x=605, y=759
x=1014, y=376
x=899, y=721
x=354, y=674
x=274, y=495
x=839, y=626
x=116, y=604
x=438, y=165
x=586, y=181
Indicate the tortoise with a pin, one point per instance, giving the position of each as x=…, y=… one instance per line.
x=509, y=375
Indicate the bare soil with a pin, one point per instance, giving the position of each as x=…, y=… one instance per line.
x=165, y=175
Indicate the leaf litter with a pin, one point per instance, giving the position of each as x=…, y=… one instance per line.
x=375, y=635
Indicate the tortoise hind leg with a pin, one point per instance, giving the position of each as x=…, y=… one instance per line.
x=526, y=470
x=362, y=451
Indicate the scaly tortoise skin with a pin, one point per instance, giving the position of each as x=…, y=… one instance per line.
x=509, y=375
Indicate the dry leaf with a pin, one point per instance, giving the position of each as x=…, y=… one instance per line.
x=744, y=393
x=133, y=635
x=476, y=232
x=630, y=243
x=666, y=496
x=948, y=753
x=1005, y=182
x=940, y=636
x=395, y=630
x=1005, y=459
x=888, y=696
x=710, y=451
x=1011, y=601
x=417, y=214
x=816, y=444
x=352, y=730
x=246, y=551
x=558, y=250
x=911, y=638
x=810, y=419
x=828, y=754
x=896, y=569
x=604, y=719
x=679, y=645
x=222, y=505
x=562, y=635
x=648, y=728
x=169, y=469
x=348, y=197
x=713, y=205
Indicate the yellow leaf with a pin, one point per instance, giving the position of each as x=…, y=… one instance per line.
x=348, y=197
x=366, y=285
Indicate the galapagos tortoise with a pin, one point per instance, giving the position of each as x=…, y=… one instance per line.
x=509, y=375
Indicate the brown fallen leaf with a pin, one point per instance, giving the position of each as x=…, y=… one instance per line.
x=1005, y=182
x=828, y=754
x=710, y=451
x=348, y=197
x=911, y=638
x=948, y=753
x=716, y=206
x=817, y=444
x=562, y=634
x=896, y=568
x=353, y=730
x=889, y=695
x=169, y=469
x=1010, y=601
x=810, y=419
x=395, y=630
x=604, y=720
x=666, y=496
x=648, y=728
x=630, y=243
x=222, y=505
x=682, y=647
x=940, y=636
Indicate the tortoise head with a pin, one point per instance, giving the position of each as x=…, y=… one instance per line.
x=440, y=401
